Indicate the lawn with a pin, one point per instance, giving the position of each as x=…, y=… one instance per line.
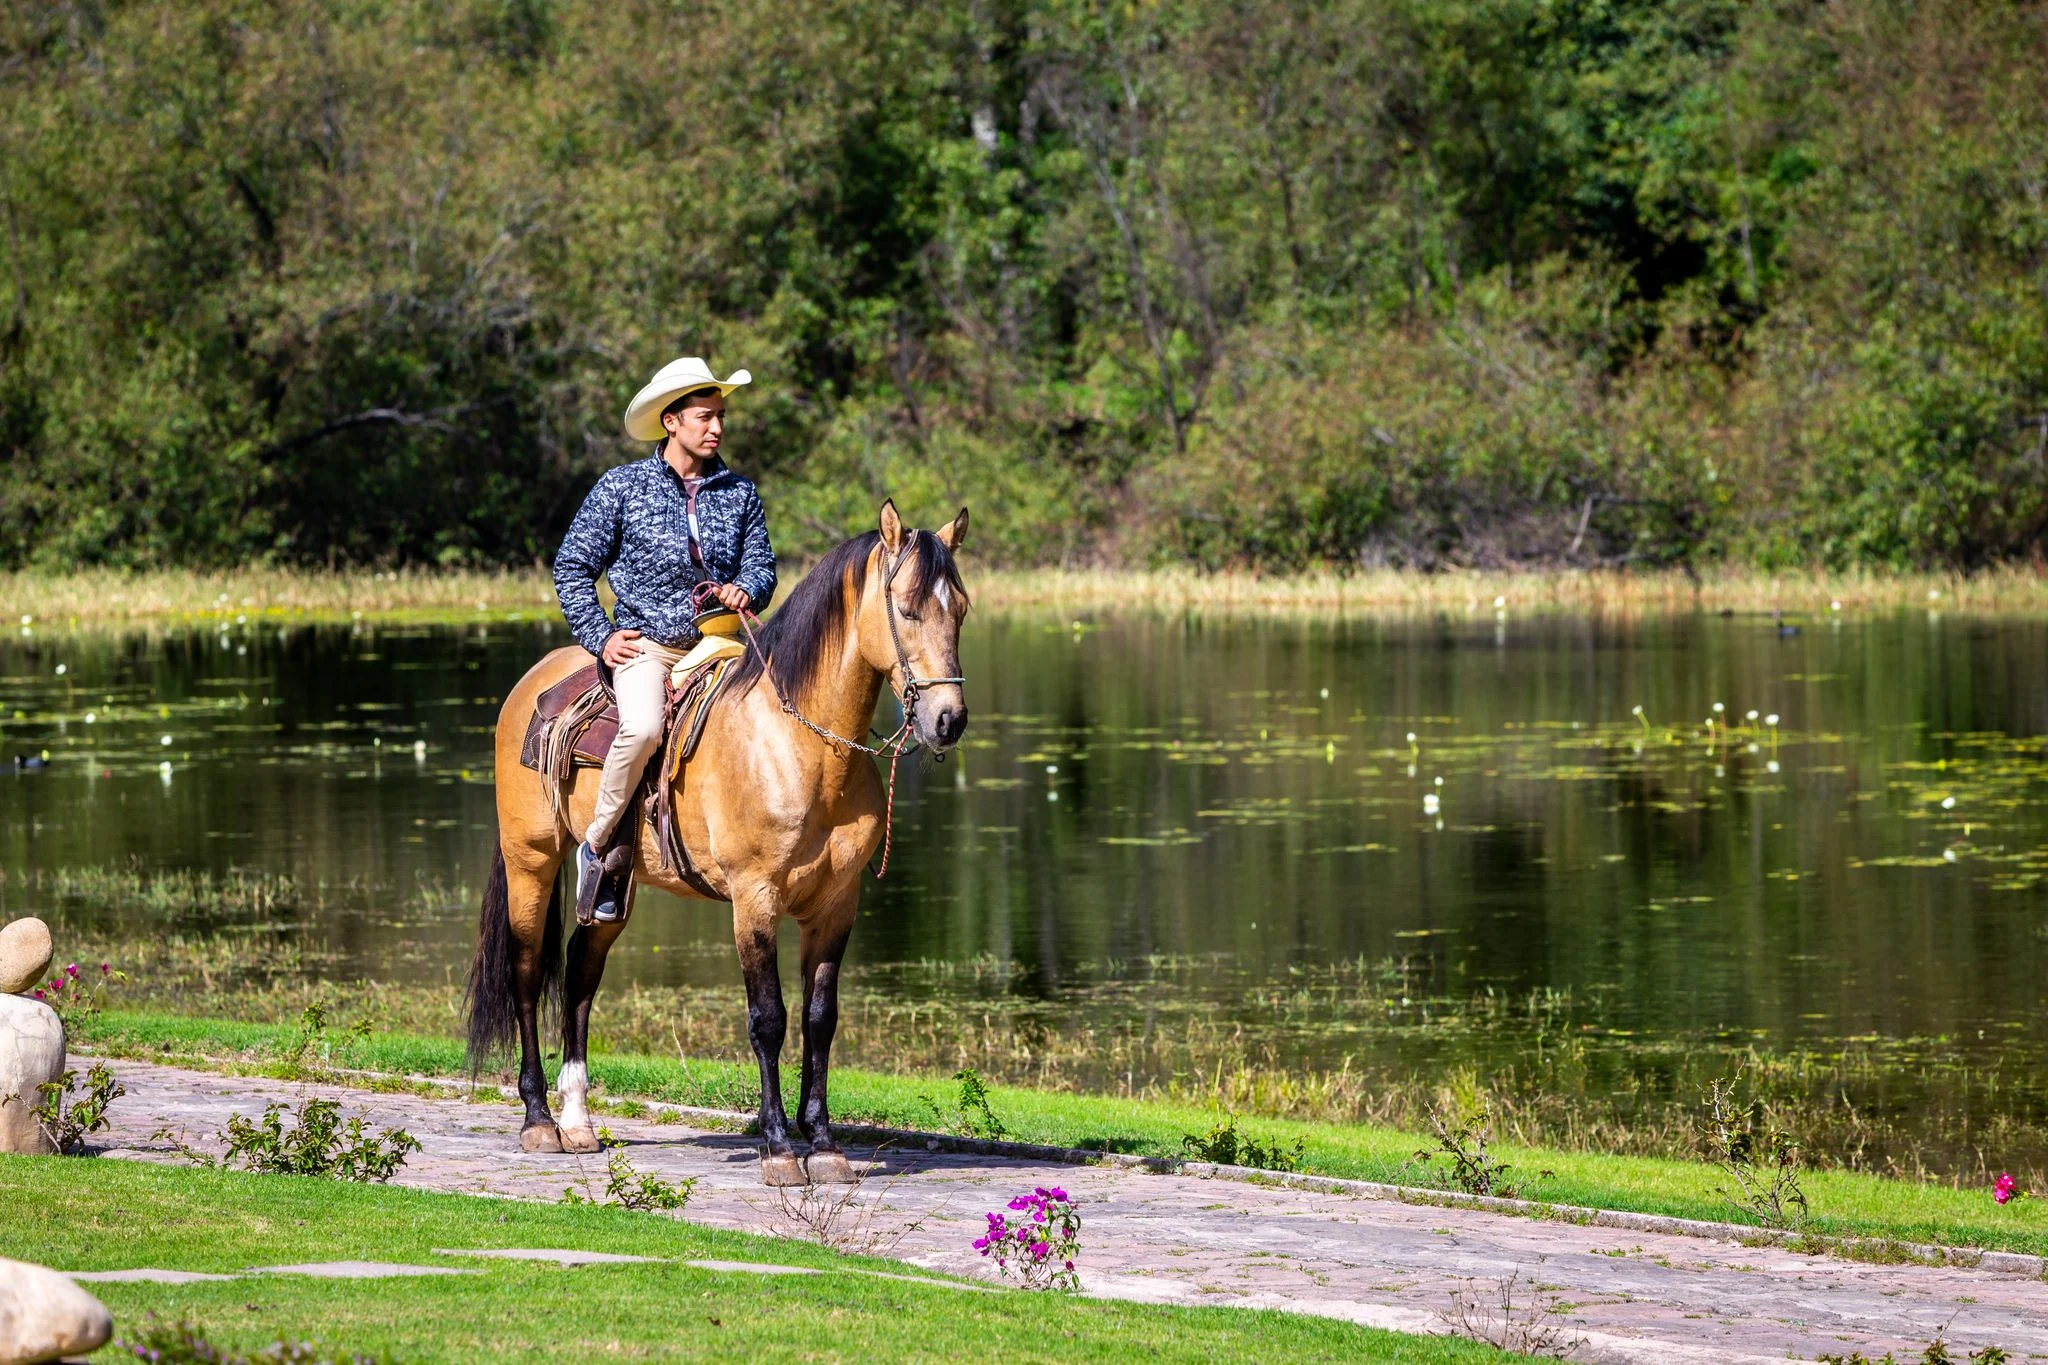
x=83, y=1214
x=1843, y=1203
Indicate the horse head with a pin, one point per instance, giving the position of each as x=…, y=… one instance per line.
x=917, y=602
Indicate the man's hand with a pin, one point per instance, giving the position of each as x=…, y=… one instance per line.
x=620, y=646
x=732, y=595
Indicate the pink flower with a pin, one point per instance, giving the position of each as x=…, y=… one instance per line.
x=2004, y=1188
x=1039, y=1250
x=71, y=970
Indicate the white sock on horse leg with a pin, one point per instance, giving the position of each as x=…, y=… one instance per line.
x=575, y=1088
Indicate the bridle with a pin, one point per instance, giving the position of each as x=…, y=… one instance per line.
x=904, y=739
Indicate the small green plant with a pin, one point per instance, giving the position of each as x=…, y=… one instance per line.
x=1759, y=1160
x=319, y=1143
x=179, y=1343
x=68, y=1125
x=310, y=1033
x=1226, y=1146
x=1936, y=1353
x=629, y=1187
x=970, y=1116
x=1462, y=1123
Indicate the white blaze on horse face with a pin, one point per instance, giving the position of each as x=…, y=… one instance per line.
x=575, y=1088
x=944, y=594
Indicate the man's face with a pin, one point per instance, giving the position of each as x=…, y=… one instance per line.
x=700, y=425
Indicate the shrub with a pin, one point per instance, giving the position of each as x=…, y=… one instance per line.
x=1226, y=1146
x=68, y=1127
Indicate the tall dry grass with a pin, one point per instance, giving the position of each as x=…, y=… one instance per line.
x=103, y=597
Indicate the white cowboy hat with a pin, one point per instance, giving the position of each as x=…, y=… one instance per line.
x=670, y=382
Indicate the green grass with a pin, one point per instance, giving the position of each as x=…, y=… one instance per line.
x=79, y=1214
x=1844, y=1203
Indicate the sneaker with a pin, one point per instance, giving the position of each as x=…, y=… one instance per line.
x=586, y=868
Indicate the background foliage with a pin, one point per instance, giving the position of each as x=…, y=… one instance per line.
x=1392, y=282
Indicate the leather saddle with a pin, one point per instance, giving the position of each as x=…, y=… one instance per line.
x=575, y=722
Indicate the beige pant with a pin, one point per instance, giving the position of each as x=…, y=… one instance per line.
x=641, y=687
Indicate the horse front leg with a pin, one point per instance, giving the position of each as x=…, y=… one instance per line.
x=823, y=945
x=754, y=923
x=588, y=947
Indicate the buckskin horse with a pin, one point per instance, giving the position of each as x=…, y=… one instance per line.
x=780, y=809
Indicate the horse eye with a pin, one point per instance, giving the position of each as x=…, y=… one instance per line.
x=906, y=613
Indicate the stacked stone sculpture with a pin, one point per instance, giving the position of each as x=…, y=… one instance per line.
x=43, y=1315
x=31, y=1037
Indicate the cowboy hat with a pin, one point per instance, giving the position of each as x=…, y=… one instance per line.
x=670, y=382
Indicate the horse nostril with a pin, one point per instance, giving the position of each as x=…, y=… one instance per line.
x=952, y=723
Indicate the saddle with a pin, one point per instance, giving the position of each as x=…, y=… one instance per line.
x=575, y=721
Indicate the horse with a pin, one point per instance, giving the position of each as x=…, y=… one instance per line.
x=780, y=808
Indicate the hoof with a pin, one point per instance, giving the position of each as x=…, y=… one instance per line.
x=782, y=1170
x=540, y=1137
x=578, y=1140
x=831, y=1168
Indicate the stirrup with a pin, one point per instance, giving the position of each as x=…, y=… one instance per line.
x=614, y=869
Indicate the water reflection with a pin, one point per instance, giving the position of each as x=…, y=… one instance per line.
x=1245, y=795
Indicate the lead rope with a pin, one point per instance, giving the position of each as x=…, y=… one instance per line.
x=898, y=743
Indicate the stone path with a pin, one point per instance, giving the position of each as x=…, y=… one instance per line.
x=1627, y=1296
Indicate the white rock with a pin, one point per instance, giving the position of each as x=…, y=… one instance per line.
x=31, y=1053
x=44, y=1316
x=24, y=954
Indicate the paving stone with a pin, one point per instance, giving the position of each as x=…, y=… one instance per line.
x=145, y=1275
x=358, y=1270
x=752, y=1268
x=560, y=1256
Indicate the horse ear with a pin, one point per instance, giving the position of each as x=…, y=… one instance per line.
x=891, y=526
x=954, y=532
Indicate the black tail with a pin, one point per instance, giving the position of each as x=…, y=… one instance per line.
x=492, y=1001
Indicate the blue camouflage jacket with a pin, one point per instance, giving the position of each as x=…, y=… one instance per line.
x=635, y=527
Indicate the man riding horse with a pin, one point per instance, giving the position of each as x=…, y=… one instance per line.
x=660, y=527
x=780, y=810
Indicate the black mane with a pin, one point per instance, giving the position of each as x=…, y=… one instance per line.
x=798, y=638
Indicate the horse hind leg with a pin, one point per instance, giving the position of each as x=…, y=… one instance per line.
x=588, y=947
x=516, y=967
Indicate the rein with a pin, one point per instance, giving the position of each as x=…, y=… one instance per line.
x=904, y=739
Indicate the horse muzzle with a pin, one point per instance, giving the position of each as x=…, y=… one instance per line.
x=944, y=726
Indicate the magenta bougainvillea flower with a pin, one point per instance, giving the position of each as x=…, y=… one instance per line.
x=2004, y=1188
x=1039, y=1250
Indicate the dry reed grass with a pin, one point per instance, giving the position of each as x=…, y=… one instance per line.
x=95, y=597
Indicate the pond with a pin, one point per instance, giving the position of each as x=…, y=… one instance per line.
x=1665, y=831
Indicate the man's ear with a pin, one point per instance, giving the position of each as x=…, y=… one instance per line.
x=954, y=532
x=891, y=527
